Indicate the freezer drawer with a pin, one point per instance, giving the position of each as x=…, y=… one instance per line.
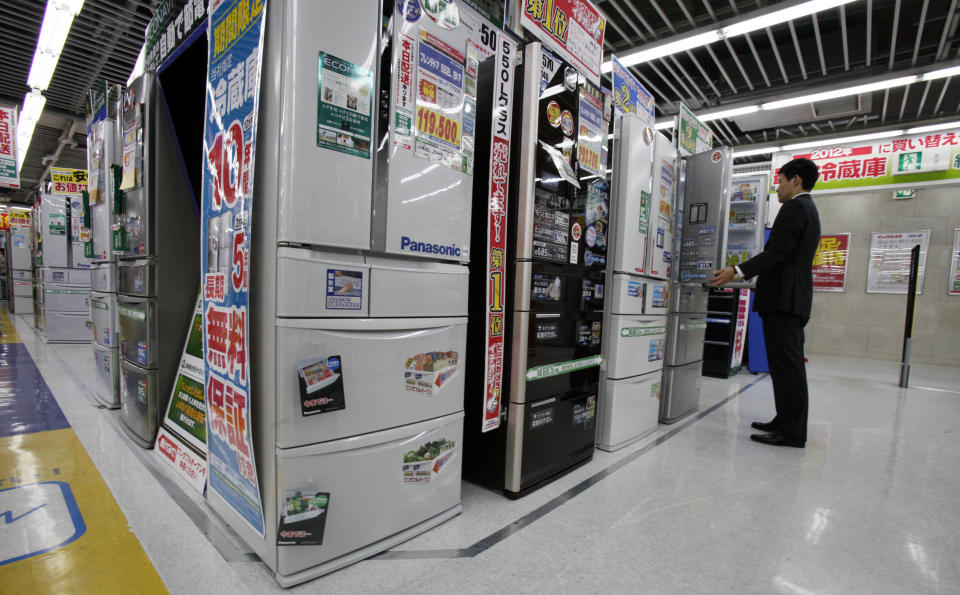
x=563, y=354
x=140, y=405
x=103, y=314
x=313, y=283
x=691, y=299
x=107, y=389
x=104, y=278
x=348, y=494
x=544, y=287
x=685, y=339
x=340, y=378
x=137, y=319
x=417, y=288
x=137, y=277
x=64, y=276
x=22, y=275
x=66, y=327
x=548, y=436
x=66, y=298
x=681, y=392
x=637, y=345
x=629, y=410
x=23, y=289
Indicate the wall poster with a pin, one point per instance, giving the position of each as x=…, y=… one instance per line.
x=830, y=262
x=230, y=131
x=889, y=268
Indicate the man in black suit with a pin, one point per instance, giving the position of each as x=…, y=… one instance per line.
x=784, y=296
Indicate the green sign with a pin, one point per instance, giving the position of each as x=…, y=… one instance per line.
x=99, y=305
x=541, y=372
x=195, y=339
x=693, y=326
x=642, y=331
x=344, y=106
x=188, y=409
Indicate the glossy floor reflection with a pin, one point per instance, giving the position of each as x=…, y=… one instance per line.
x=870, y=506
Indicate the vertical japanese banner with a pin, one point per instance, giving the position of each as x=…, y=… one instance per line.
x=740, y=331
x=497, y=229
x=9, y=178
x=953, y=283
x=230, y=130
x=830, y=262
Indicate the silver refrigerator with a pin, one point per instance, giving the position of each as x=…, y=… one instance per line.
x=703, y=205
x=157, y=245
x=358, y=287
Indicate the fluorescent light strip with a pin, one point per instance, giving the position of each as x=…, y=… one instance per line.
x=739, y=111
x=843, y=92
x=732, y=30
x=842, y=141
x=33, y=103
x=933, y=127
x=57, y=20
x=757, y=151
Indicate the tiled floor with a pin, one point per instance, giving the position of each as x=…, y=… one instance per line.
x=870, y=506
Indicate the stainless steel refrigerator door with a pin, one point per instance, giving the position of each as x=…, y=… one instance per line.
x=107, y=388
x=681, y=392
x=101, y=211
x=685, y=338
x=139, y=402
x=138, y=330
x=103, y=314
x=374, y=373
x=691, y=299
x=137, y=218
x=631, y=197
x=324, y=194
x=706, y=213
x=376, y=485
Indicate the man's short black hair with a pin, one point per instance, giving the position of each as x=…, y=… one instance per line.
x=806, y=169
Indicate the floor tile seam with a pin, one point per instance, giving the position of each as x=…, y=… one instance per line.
x=525, y=520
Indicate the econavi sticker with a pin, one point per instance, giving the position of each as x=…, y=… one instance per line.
x=37, y=518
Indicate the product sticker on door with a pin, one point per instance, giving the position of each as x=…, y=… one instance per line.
x=585, y=413
x=425, y=463
x=344, y=104
x=428, y=372
x=303, y=517
x=321, y=385
x=658, y=348
x=344, y=289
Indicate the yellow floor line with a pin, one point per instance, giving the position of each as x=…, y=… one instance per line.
x=8, y=334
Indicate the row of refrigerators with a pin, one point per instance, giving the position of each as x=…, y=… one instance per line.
x=377, y=380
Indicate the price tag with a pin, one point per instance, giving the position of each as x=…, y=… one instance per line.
x=438, y=126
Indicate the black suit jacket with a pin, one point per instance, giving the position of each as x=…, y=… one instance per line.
x=785, y=282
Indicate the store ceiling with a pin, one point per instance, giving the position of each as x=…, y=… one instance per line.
x=809, y=53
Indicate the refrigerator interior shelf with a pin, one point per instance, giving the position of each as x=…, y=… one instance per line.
x=742, y=202
x=743, y=226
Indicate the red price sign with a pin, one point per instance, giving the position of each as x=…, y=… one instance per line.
x=438, y=126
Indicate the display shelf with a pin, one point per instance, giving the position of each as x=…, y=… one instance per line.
x=743, y=226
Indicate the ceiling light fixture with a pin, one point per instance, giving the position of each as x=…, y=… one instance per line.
x=842, y=141
x=842, y=92
x=33, y=103
x=757, y=151
x=933, y=127
x=734, y=29
x=57, y=19
x=729, y=113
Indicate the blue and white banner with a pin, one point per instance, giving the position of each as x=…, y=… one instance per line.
x=629, y=96
x=230, y=129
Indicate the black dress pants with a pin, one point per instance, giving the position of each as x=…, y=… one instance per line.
x=783, y=335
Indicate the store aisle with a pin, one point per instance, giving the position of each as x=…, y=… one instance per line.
x=59, y=525
x=868, y=507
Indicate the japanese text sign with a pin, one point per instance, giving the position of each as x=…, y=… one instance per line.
x=9, y=176
x=629, y=96
x=573, y=29
x=830, y=262
x=230, y=130
x=70, y=182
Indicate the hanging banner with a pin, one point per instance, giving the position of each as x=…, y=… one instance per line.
x=918, y=160
x=693, y=135
x=571, y=28
x=740, y=331
x=830, y=263
x=182, y=439
x=497, y=230
x=9, y=175
x=230, y=131
x=889, y=268
x=953, y=283
x=629, y=96
x=69, y=182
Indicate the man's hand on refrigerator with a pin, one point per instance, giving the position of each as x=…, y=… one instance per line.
x=722, y=277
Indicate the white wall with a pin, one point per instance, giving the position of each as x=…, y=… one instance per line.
x=857, y=324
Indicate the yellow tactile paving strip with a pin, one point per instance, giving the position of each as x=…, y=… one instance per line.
x=8, y=334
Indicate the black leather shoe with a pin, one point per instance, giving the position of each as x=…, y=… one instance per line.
x=777, y=440
x=770, y=426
